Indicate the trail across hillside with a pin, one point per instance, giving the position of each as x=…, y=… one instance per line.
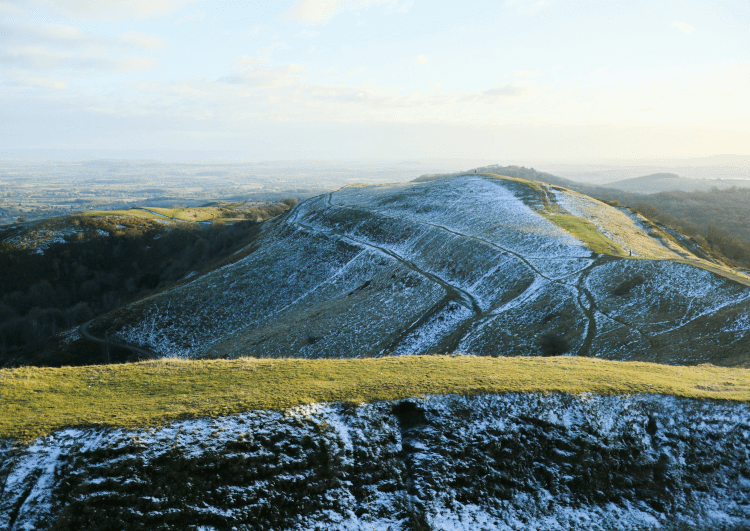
x=84, y=330
x=721, y=272
x=584, y=298
x=480, y=315
x=468, y=267
x=201, y=222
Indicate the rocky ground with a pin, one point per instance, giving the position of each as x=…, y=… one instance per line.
x=506, y=462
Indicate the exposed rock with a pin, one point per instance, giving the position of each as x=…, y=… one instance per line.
x=508, y=462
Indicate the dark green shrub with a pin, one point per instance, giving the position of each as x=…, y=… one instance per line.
x=552, y=344
x=626, y=285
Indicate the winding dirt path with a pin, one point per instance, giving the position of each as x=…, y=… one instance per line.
x=492, y=312
x=84, y=331
x=460, y=295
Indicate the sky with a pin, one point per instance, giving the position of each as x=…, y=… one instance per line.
x=495, y=81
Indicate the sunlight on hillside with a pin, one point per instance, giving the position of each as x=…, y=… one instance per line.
x=36, y=401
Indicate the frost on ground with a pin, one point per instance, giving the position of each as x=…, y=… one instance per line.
x=465, y=263
x=626, y=230
x=41, y=240
x=429, y=334
x=494, y=462
x=688, y=314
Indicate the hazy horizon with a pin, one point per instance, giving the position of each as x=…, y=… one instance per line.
x=513, y=82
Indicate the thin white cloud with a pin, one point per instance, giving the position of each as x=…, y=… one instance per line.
x=314, y=11
x=508, y=90
x=40, y=58
x=684, y=27
x=22, y=79
x=33, y=57
x=142, y=40
x=308, y=34
x=526, y=73
x=421, y=60
x=57, y=35
x=63, y=38
x=321, y=11
x=260, y=96
x=254, y=31
x=263, y=59
x=531, y=6
x=68, y=50
x=557, y=67
x=261, y=78
x=47, y=82
x=11, y=9
x=195, y=16
x=114, y=10
x=436, y=85
x=242, y=61
x=599, y=70
x=399, y=7
x=134, y=64
x=59, y=32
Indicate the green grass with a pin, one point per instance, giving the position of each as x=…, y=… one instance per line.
x=36, y=401
x=189, y=213
x=587, y=232
x=579, y=228
x=103, y=213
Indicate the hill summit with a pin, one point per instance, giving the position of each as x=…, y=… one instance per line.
x=478, y=264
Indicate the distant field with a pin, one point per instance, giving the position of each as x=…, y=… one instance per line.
x=189, y=214
x=131, y=212
x=36, y=401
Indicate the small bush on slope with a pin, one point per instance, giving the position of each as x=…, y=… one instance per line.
x=553, y=345
x=626, y=285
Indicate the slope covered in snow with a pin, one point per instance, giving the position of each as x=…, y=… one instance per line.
x=493, y=462
x=470, y=264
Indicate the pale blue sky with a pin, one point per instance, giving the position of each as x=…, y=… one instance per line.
x=563, y=80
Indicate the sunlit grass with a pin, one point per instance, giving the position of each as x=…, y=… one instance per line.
x=103, y=213
x=579, y=228
x=189, y=213
x=36, y=401
x=587, y=232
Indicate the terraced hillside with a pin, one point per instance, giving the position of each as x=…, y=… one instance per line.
x=477, y=264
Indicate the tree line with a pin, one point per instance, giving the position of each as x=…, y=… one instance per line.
x=717, y=220
x=88, y=275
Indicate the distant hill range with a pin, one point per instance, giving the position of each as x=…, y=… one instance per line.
x=670, y=182
x=647, y=184
x=477, y=264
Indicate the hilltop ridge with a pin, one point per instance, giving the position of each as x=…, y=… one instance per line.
x=501, y=267
x=478, y=264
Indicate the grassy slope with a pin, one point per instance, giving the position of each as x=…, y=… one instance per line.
x=579, y=228
x=591, y=236
x=587, y=232
x=135, y=213
x=189, y=214
x=36, y=401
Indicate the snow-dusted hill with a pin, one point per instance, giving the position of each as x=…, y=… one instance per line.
x=495, y=462
x=469, y=264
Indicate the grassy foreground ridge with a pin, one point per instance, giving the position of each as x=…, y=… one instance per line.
x=36, y=401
